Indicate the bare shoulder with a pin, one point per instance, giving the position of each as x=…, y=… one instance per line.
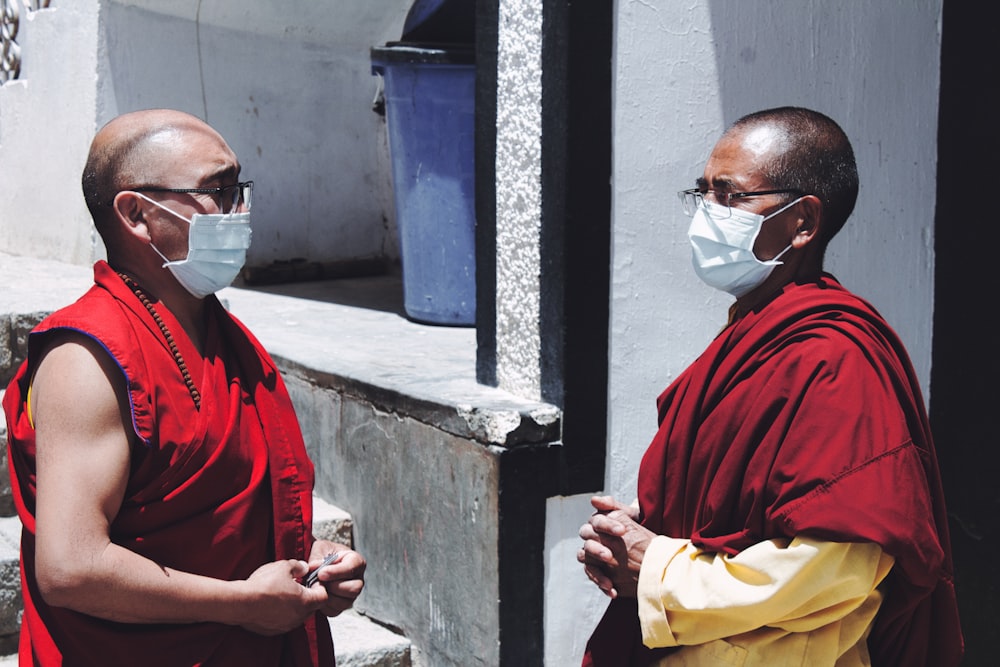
x=76, y=384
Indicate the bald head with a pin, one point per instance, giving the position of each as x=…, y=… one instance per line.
x=804, y=150
x=132, y=150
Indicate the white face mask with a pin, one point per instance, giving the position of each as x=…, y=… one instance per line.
x=722, y=248
x=217, y=250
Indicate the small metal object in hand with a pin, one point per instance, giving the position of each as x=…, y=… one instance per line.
x=314, y=575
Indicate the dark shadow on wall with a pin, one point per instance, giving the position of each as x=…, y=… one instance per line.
x=383, y=293
x=964, y=389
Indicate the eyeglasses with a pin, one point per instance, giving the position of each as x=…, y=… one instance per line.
x=694, y=198
x=230, y=197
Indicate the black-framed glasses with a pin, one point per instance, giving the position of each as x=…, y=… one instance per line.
x=230, y=197
x=694, y=198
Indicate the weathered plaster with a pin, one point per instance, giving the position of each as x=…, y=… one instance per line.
x=289, y=85
x=47, y=118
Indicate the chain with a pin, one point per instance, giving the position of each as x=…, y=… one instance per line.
x=10, y=52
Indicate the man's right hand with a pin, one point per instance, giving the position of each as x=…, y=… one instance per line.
x=277, y=602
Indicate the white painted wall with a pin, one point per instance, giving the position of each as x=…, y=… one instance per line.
x=684, y=70
x=288, y=84
x=47, y=119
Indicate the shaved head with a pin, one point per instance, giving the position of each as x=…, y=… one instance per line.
x=132, y=150
x=804, y=150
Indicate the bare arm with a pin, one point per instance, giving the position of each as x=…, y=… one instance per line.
x=79, y=406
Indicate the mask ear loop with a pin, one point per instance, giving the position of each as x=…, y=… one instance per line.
x=783, y=208
x=774, y=260
x=166, y=261
x=158, y=204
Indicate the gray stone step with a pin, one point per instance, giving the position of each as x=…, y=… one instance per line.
x=360, y=642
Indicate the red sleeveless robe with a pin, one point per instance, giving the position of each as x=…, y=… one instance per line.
x=217, y=491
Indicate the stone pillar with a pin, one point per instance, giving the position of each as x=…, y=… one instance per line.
x=519, y=198
x=543, y=212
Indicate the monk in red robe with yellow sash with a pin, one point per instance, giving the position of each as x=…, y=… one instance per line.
x=790, y=509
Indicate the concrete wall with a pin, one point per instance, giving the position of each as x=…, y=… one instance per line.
x=288, y=84
x=425, y=509
x=684, y=71
x=50, y=114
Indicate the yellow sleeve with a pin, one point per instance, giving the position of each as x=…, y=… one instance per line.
x=27, y=403
x=688, y=596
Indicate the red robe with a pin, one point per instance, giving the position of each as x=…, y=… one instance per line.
x=217, y=491
x=803, y=417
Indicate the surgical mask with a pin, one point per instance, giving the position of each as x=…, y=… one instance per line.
x=217, y=250
x=722, y=247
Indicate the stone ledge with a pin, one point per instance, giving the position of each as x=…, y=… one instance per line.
x=350, y=336
x=422, y=371
x=32, y=288
x=324, y=332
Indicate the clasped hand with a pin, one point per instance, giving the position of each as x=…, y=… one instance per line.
x=284, y=603
x=614, y=545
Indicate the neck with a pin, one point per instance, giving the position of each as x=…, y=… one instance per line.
x=790, y=272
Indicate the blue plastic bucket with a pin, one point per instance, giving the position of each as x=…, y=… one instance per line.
x=430, y=116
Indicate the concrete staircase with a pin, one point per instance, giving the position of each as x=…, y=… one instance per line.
x=41, y=286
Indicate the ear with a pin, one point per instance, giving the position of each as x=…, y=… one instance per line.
x=808, y=222
x=131, y=214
